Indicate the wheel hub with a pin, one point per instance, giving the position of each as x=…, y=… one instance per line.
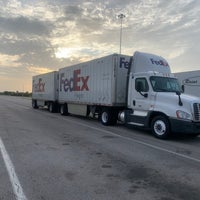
x=160, y=127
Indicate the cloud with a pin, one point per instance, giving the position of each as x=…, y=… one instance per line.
x=41, y=10
x=73, y=12
x=9, y=60
x=23, y=26
x=38, y=69
x=53, y=34
x=18, y=46
x=87, y=53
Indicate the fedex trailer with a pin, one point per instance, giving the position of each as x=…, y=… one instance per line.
x=45, y=91
x=95, y=86
x=137, y=90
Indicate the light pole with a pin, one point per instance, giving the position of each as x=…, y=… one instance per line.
x=121, y=16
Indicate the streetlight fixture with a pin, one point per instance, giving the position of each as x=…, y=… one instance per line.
x=121, y=16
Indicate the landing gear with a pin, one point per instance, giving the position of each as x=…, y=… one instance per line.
x=34, y=104
x=63, y=109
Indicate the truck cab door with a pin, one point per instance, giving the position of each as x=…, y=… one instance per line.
x=139, y=101
x=141, y=94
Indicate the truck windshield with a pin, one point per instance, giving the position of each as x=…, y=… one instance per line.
x=165, y=84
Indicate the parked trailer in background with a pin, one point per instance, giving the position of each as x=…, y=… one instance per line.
x=138, y=90
x=45, y=91
x=190, y=81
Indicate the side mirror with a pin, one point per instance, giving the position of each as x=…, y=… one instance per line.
x=145, y=95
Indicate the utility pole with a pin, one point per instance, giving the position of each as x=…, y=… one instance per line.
x=121, y=16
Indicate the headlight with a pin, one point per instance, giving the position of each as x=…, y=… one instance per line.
x=183, y=115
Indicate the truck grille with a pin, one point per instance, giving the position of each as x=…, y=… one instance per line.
x=196, y=111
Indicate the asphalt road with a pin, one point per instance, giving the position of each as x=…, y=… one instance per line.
x=47, y=156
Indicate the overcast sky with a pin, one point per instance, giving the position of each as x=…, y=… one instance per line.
x=38, y=36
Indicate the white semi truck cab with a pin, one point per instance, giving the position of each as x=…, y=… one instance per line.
x=155, y=99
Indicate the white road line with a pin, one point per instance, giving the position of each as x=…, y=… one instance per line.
x=17, y=189
x=137, y=141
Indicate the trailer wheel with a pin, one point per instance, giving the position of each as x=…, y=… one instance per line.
x=34, y=104
x=160, y=127
x=108, y=117
x=63, y=109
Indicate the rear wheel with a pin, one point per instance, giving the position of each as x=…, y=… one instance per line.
x=108, y=117
x=160, y=127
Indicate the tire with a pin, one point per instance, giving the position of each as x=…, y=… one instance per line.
x=34, y=104
x=108, y=117
x=160, y=127
x=63, y=109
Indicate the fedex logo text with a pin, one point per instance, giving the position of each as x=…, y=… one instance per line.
x=75, y=83
x=159, y=62
x=124, y=63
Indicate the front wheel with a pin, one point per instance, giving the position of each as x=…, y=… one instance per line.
x=160, y=127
